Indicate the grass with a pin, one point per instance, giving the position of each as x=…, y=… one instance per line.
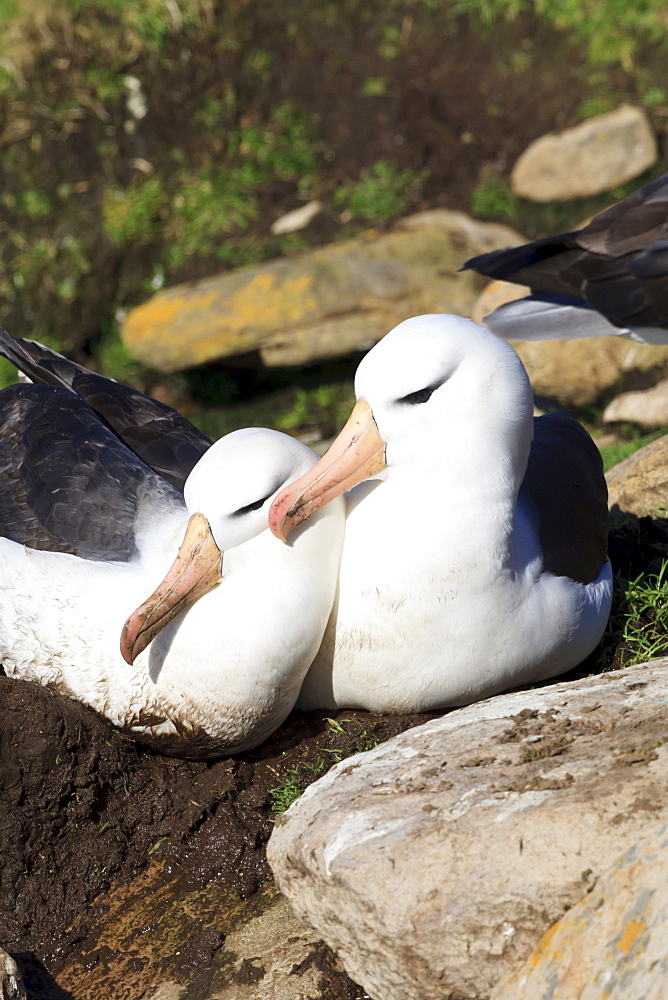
x=645, y=628
x=294, y=784
x=638, y=625
x=382, y=192
x=302, y=774
x=612, y=31
x=632, y=440
x=493, y=199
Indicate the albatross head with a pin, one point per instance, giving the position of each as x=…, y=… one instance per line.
x=228, y=495
x=433, y=384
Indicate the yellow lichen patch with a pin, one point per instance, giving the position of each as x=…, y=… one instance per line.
x=157, y=325
x=543, y=947
x=630, y=934
x=266, y=303
x=159, y=311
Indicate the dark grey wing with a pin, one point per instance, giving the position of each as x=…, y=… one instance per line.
x=159, y=435
x=632, y=291
x=67, y=482
x=565, y=484
x=39, y=363
x=630, y=224
x=554, y=265
x=156, y=433
x=550, y=265
x=616, y=265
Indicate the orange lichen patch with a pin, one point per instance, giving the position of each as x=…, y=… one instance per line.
x=543, y=948
x=630, y=935
x=158, y=325
x=266, y=302
x=158, y=311
x=193, y=324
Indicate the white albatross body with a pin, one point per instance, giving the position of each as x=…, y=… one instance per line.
x=443, y=594
x=223, y=674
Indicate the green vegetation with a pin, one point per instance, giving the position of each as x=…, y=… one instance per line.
x=630, y=442
x=639, y=619
x=294, y=784
x=158, y=844
x=493, y=199
x=349, y=737
x=149, y=22
x=613, y=31
x=382, y=192
x=327, y=405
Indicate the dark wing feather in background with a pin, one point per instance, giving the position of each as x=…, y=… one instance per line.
x=67, y=482
x=609, y=277
x=159, y=435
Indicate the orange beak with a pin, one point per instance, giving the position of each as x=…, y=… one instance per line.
x=358, y=453
x=196, y=569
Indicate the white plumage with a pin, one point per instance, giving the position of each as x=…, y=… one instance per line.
x=452, y=583
x=223, y=674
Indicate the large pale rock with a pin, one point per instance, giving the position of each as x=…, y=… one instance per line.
x=639, y=484
x=434, y=863
x=331, y=302
x=612, y=944
x=11, y=983
x=648, y=408
x=590, y=158
x=577, y=372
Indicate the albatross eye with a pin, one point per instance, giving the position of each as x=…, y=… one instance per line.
x=421, y=395
x=256, y=505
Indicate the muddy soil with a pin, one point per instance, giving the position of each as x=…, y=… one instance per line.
x=82, y=808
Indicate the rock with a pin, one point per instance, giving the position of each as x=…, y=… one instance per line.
x=298, y=218
x=496, y=294
x=639, y=484
x=612, y=944
x=11, y=983
x=331, y=302
x=434, y=863
x=592, y=157
x=648, y=408
x=276, y=953
x=578, y=372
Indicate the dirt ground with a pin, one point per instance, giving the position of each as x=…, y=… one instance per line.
x=82, y=807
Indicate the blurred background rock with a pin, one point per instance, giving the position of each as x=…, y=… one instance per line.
x=149, y=143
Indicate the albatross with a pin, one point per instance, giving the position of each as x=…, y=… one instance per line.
x=174, y=614
x=474, y=557
x=609, y=278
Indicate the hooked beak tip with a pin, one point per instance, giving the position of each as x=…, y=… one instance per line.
x=127, y=647
x=277, y=520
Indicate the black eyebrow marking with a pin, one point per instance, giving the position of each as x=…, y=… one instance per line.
x=422, y=395
x=255, y=505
